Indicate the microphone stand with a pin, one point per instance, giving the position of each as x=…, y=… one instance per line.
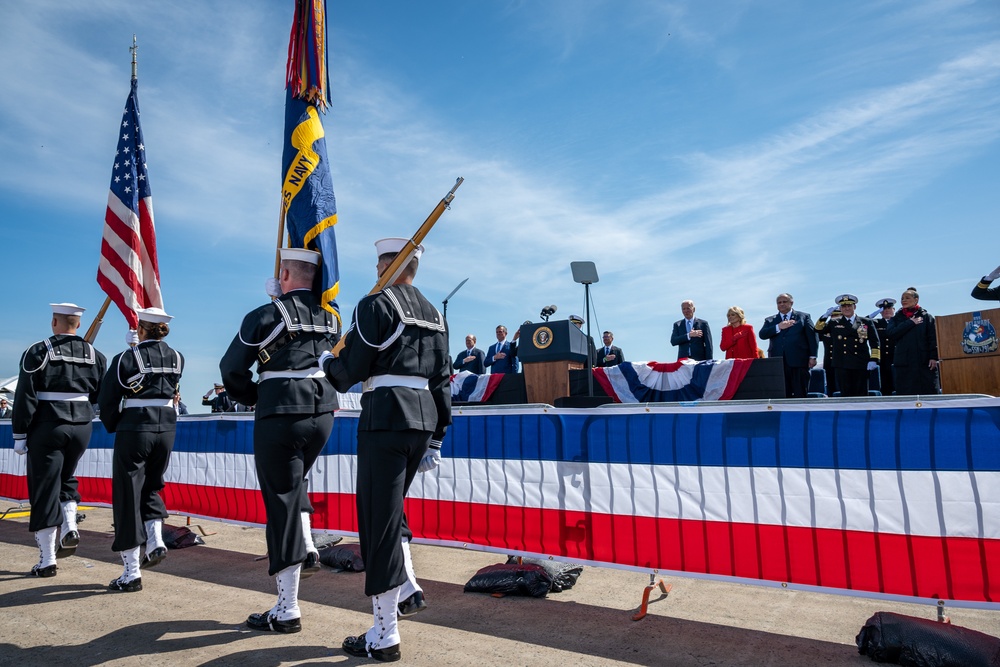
x=590, y=359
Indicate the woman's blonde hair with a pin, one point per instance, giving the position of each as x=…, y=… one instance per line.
x=739, y=313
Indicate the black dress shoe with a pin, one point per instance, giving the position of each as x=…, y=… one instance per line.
x=68, y=544
x=267, y=622
x=125, y=586
x=153, y=558
x=310, y=565
x=358, y=647
x=40, y=571
x=412, y=605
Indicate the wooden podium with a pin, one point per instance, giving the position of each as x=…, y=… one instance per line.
x=969, y=349
x=549, y=351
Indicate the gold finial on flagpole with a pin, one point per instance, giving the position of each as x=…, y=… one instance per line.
x=134, y=49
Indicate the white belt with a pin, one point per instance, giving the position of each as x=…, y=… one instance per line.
x=62, y=396
x=411, y=381
x=314, y=372
x=148, y=403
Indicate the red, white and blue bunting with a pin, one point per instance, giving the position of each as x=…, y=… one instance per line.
x=882, y=498
x=471, y=388
x=684, y=380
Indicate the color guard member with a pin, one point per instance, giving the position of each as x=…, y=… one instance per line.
x=398, y=344
x=292, y=421
x=53, y=409
x=137, y=405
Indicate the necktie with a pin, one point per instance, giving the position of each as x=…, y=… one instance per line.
x=689, y=326
x=607, y=351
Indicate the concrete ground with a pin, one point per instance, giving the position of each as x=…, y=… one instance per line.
x=192, y=609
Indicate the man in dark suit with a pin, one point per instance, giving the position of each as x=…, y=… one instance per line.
x=609, y=355
x=692, y=336
x=792, y=337
x=471, y=359
x=502, y=355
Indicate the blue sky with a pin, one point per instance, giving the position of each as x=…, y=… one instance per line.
x=722, y=152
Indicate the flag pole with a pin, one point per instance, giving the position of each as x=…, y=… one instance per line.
x=281, y=235
x=95, y=326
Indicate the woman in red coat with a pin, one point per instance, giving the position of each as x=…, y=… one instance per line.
x=738, y=339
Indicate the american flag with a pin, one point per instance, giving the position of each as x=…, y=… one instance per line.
x=128, y=271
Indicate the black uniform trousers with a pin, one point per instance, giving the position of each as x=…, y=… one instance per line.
x=285, y=447
x=387, y=464
x=915, y=379
x=140, y=461
x=54, y=449
x=852, y=382
x=796, y=381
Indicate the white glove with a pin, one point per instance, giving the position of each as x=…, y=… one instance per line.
x=272, y=287
x=132, y=338
x=323, y=358
x=432, y=459
x=872, y=365
x=21, y=446
x=875, y=314
x=993, y=276
x=829, y=312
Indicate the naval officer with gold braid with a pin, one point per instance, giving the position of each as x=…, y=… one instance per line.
x=854, y=346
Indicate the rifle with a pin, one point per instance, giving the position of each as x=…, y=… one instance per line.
x=403, y=257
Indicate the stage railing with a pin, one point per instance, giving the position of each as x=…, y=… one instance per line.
x=882, y=498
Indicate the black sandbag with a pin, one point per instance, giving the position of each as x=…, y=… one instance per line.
x=526, y=579
x=921, y=642
x=563, y=575
x=180, y=537
x=343, y=557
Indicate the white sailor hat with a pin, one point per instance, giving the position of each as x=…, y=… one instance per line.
x=885, y=303
x=846, y=300
x=67, y=309
x=393, y=245
x=154, y=315
x=300, y=255
x=576, y=318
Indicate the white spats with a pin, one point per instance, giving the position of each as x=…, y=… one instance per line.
x=385, y=632
x=307, y=532
x=69, y=516
x=130, y=559
x=154, y=535
x=410, y=586
x=287, y=607
x=46, y=541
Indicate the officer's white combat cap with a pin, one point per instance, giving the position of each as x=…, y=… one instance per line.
x=393, y=245
x=846, y=299
x=67, y=309
x=576, y=318
x=885, y=303
x=300, y=255
x=154, y=315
